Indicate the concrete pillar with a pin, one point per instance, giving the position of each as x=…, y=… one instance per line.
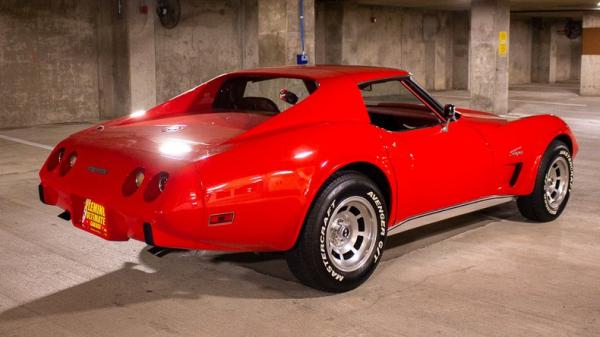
x=437, y=36
x=113, y=63
x=520, y=51
x=555, y=36
x=590, y=59
x=142, y=55
x=106, y=79
x=248, y=15
x=488, y=63
x=328, y=43
x=279, y=32
x=460, y=58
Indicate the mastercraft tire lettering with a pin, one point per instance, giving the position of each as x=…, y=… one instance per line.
x=343, y=236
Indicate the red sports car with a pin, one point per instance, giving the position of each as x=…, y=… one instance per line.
x=321, y=162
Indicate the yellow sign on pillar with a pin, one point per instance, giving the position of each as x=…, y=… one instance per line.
x=503, y=43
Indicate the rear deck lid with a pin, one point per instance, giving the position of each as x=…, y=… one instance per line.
x=181, y=137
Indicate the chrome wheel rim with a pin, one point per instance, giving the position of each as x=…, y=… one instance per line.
x=351, y=234
x=556, y=183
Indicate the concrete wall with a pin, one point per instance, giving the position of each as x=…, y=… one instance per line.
x=279, y=32
x=379, y=43
x=540, y=57
x=213, y=37
x=555, y=57
x=48, y=62
x=142, y=56
x=520, y=51
x=419, y=41
x=90, y=59
x=82, y=60
x=564, y=54
x=329, y=18
x=460, y=61
x=113, y=60
x=576, y=60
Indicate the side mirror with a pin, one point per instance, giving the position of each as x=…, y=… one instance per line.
x=450, y=111
x=450, y=115
x=288, y=96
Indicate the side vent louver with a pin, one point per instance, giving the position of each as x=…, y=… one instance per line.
x=516, y=174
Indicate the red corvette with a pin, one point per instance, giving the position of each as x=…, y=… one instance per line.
x=322, y=162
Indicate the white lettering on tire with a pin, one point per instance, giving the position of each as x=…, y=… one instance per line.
x=567, y=156
x=336, y=276
x=382, y=225
x=379, y=248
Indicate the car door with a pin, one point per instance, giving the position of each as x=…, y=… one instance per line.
x=435, y=167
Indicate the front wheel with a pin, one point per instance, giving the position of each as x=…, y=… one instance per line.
x=343, y=236
x=552, y=186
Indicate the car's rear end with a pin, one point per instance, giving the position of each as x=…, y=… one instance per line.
x=117, y=190
x=139, y=179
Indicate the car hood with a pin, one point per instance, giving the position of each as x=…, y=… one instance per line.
x=485, y=117
x=183, y=137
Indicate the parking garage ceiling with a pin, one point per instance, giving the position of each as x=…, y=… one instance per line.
x=516, y=5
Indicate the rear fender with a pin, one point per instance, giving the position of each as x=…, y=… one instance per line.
x=271, y=190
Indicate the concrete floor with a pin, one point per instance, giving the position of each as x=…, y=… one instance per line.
x=487, y=274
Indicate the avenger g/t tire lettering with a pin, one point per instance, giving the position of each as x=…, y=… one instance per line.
x=343, y=235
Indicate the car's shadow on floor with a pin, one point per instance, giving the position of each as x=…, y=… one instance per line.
x=191, y=275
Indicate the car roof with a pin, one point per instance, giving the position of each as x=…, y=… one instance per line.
x=320, y=72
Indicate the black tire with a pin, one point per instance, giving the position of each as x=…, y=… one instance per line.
x=343, y=195
x=538, y=206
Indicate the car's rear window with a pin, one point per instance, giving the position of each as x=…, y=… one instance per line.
x=261, y=94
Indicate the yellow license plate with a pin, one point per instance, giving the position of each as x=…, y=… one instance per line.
x=94, y=218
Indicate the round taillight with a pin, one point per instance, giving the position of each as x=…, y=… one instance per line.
x=162, y=181
x=155, y=186
x=72, y=159
x=55, y=159
x=139, y=178
x=60, y=154
x=133, y=181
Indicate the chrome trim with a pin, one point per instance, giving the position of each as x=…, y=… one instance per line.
x=447, y=213
x=556, y=184
x=348, y=247
x=99, y=170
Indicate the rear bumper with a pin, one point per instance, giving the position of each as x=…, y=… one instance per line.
x=121, y=227
x=154, y=228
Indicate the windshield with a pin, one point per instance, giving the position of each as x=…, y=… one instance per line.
x=393, y=90
x=395, y=105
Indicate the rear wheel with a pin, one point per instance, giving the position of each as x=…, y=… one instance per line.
x=343, y=235
x=552, y=187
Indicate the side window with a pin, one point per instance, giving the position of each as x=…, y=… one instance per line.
x=393, y=107
x=270, y=89
x=261, y=94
